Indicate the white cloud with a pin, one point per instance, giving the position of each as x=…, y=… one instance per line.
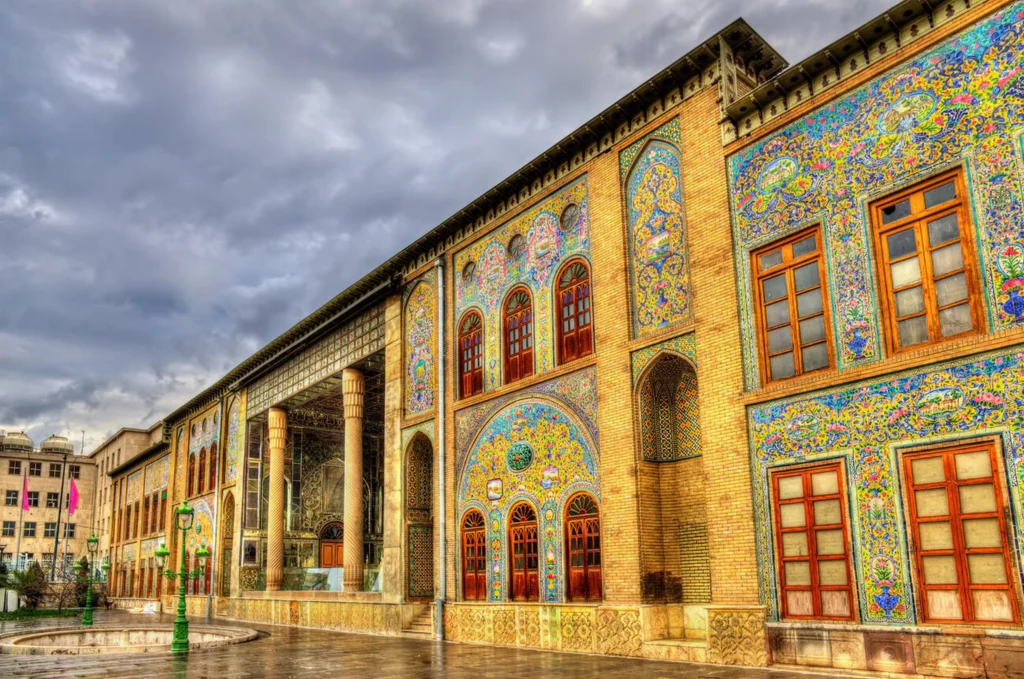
x=98, y=65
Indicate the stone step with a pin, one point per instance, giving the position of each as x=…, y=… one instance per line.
x=682, y=650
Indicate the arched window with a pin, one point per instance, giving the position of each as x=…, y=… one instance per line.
x=191, y=474
x=583, y=541
x=213, y=467
x=522, y=537
x=471, y=354
x=474, y=557
x=518, y=336
x=575, y=327
x=202, y=472
x=208, y=577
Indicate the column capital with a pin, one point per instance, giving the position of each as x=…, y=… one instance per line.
x=353, y=387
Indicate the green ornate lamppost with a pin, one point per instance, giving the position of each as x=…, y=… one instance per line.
x=183, y=519
x=92, y=544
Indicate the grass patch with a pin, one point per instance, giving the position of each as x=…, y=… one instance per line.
x=32, y=614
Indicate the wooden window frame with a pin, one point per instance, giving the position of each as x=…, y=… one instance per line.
x=523, y=355
x=471, y=373
x=918, y=221
x=212, y=482
x=788, y=265
x=810, y=529
x=201, y=472
x=527, y=541
x=474, y=536
x=580, y=291
x=955, y=518
x=587, y=520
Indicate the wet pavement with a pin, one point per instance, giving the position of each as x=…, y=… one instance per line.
x=285, y=652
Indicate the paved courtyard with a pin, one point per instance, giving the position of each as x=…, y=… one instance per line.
x=284, y=652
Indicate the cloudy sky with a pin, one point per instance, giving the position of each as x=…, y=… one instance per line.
x=182, y=181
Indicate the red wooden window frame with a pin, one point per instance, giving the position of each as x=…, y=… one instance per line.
x=518, y=335
x=145, y=516
x=955, y=517
x=810, y=529
x=212, y=484
x=191, y=474
x=163, y=510
x=474, y=557
x=137, y=519
x=471, y=354
x=201, y=472
x=126, y=532
x=524, y=558
x=575, y=318
x=583, y=544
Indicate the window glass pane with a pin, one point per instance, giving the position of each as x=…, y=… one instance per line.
x=944, y=604
x=774, y=288
x=776, y=314
x=780, y=339
x=901, y=244
x=799, y=603
x=940, y=194
x=798, y=573
x=827, y=512
x=782, y=366
x=910, y=301
x=806, y=276
x=949, y=258
x=932, y=502
x=977, y=498
x=939, y=570
x=976, y=465
x=792, y=516
x=952, y=289
x=815, y=357
x=808, y=303
x=936, y=535
x=992, y=605
x=829, y=542
x=927, y=470
x=905, y=273
x=825, y=483
x=812, y=329
x=897, y=211
x=982, y=533
x=794, y=544
x=943, y=230
x=791, y=487
x=986, y=569
x=771, y=259
x=802, y=247
x=832, y=572
x=835, y=604
x=913, y=331
x=955, y=320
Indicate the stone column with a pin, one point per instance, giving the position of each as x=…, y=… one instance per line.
x=353, y=386
x=278, y=420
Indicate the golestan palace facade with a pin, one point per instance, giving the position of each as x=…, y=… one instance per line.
x=734, y=373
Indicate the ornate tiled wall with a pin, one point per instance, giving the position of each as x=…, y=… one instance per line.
x=157, y=475
x=656, y=223
x=202, y=525
x=865, y=425
x=551, y=232
x=420, y=326
x=960, y=103
x=341, y=616
x=235, y=440
x=684, y=345
x=539, y=446
x=133, y=486
x=180, y=452
x=204, y=432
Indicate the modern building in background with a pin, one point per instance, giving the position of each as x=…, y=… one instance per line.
x=29, y=530
x=731, y=374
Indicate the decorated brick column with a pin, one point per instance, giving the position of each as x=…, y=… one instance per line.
x=353, y=386
x=275, y=514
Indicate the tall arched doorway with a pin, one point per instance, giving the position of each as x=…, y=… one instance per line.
x=332, y=545
x=525, y=564
x=583, y=542
x=227, y=531
x=419, y=518
x=474, y=557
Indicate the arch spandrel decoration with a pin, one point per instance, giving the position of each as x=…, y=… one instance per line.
x=656, y=222
x=532, y=450
x=420, y=327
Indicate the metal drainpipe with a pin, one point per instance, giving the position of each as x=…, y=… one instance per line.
x=442, y=576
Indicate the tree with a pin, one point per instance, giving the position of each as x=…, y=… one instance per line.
x=30, y=584
x=3, y=575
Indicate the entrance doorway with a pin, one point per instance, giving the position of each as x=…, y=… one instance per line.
x=525, y=564
x=332, y=546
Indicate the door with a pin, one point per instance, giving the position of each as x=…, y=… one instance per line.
x=332, y=554
x=523, y=538
x=474, y=573
x=583, y=538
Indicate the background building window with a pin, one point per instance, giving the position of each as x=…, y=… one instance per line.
x=74, y=471
x=35, y=468
x=518, y=327
x=52, y=499
x=471, y=355
x=11, y=498
x=54, y=470
x=29, y=529
x=927, y=271
x=14, y=466
x=8, y=531
x=33, y=498
x=575, y=329
x=50, y=529
x=959, y=527
x=791, y=306
x=812, y=543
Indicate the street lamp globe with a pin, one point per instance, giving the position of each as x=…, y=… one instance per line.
x=106, y=564
x=185, y=516
x=92, y=544
x=77, y=567
x=161, y=555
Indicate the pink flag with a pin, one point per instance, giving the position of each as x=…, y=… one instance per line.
x=73, y=502
x=24, y=493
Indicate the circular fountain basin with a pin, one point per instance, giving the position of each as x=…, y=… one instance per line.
x=119, y=639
